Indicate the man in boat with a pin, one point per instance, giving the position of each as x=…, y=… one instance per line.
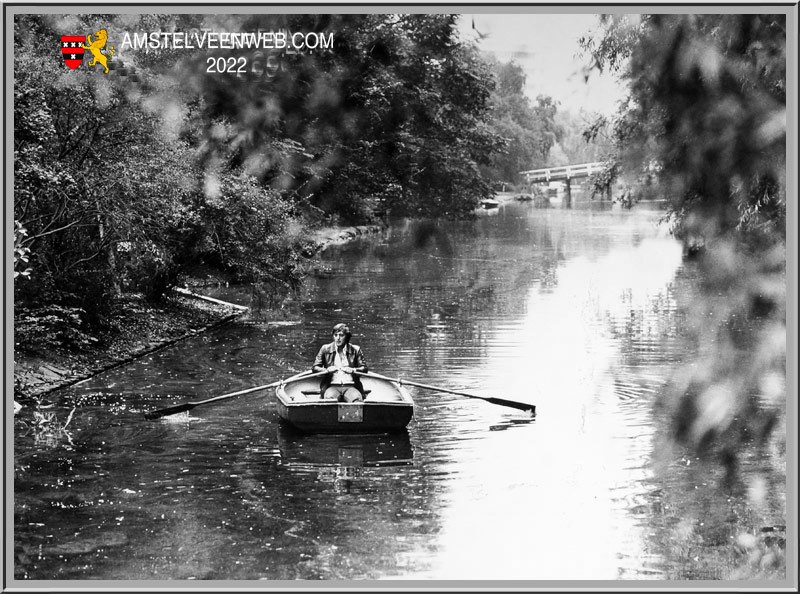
x=341, y=359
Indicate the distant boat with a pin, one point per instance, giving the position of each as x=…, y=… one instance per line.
x=489, y=203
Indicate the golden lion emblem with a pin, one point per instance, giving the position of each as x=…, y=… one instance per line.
x=96, y=47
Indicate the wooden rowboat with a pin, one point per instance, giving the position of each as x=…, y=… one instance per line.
x=387, y=408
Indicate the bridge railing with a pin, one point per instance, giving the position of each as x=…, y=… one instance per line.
x=562, y=173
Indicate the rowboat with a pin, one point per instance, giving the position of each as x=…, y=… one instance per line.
x=386, y=408
x=488, y=203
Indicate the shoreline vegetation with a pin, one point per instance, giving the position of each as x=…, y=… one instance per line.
x=141, y=327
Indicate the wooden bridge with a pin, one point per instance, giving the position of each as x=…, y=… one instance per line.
x=565, y=174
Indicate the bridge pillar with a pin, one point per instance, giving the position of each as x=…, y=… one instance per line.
x=568, y=193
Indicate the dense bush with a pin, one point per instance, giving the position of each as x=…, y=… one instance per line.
x=249, y=230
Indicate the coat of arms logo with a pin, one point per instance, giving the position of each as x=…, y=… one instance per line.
x=72, y=50
x=73, y=47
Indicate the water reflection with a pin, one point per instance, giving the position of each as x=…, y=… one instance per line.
x=578, y=311
x=341, y=459
x=572, y=480
x=300, y=450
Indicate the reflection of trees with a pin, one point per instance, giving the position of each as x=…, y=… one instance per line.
x=214, y=500
x=330, y=520
x=643, y=330
x=445, y=285
x=446, y=289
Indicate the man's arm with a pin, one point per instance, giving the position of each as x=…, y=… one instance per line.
x=319, y=361
x=360, y=363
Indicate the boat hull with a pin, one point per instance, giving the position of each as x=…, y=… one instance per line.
x=387, y=408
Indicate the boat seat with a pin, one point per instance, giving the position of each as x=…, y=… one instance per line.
x=380, y=396
x=317, y=392
x=386, y=398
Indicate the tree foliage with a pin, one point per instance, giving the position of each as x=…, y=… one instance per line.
x=707, y=112
x=573, y=147
x=125, y=181
x=389, y=121
x=704, y=128
x=530, y=130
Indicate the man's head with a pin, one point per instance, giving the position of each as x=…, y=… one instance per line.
x=341, y=334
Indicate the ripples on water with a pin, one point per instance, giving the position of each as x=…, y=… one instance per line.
x=575, y=311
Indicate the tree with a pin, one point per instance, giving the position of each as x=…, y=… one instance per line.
x=705, y=128
x=94, y=174
x=390, y=120
x=574, y=145
x=530, y=131
x=707, y=111
x=125, y=180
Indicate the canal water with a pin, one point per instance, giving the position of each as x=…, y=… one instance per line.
x=580, y=311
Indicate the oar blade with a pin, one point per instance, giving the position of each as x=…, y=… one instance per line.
x=531, y=408
x=165, y=412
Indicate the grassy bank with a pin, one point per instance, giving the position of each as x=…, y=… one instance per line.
x=45, y=360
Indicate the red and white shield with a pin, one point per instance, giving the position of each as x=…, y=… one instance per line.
x=72, y=49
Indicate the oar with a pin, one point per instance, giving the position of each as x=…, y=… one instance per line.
x=179, y=408
x=501, y=401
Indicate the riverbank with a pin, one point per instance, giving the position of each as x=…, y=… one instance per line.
x=337, y=235
x=140, y=328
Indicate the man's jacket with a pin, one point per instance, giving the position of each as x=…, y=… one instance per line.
x=326, y=357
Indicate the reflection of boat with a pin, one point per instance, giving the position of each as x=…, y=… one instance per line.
x=488, y=203
x=387, y=407
x=302, y=450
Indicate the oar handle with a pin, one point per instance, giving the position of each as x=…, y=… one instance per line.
x=378, y=376
x=239, y=393
x=294, y=378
